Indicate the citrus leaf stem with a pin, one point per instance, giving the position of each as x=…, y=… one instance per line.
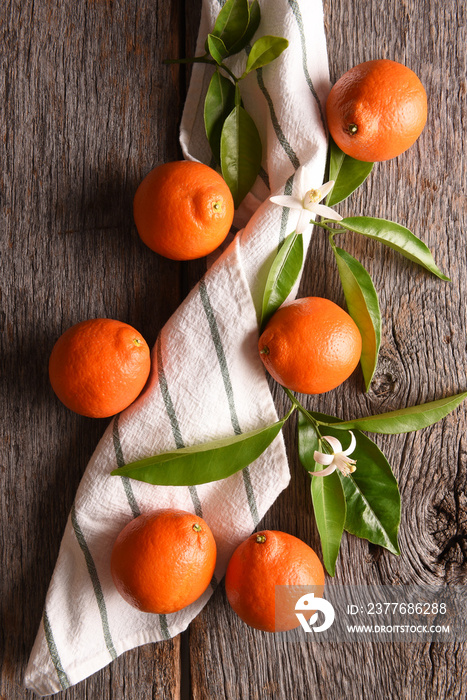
x=296, y=403
x=331, y=229
x=201, y=59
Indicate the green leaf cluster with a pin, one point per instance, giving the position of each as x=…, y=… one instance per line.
x=360, y=294
x=359, y=291
x=235, y=26
x=231, y=132
x=367, y=502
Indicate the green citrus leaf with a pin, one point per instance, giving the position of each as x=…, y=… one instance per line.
x=405, y=420
x=232, y=23
x=329, y=507
x=264, y=50
x=308, y=443
x=372, y=496
x=282, y=276
x=219, y=102
x=347, y=173
x=253, y=24
x=327, y=496
x=371, y=491
x=396, y=237
x=217, y=48
x=241, y=153
x=201, y=464
x=362, y=303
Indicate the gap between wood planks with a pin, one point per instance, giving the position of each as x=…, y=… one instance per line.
x=185, y=674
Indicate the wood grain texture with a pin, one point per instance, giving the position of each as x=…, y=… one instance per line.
x=84, y=116
x=87, y=109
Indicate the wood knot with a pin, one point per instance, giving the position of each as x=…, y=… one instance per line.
x=455, y=550
x=450, y=535
x=383, y=384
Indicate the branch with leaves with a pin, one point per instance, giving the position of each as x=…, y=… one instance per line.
x=346, y=175
x=365, y=503
x=231, y=132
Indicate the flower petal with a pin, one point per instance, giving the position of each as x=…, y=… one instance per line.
x=327, y=212
x=286, y=201
x=351, y=447
x=321, y=458
x=303, y=222
x=325, y=472
x=302, y=181
x=334, y=442
x=326, y=188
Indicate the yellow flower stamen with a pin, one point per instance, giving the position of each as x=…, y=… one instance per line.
x=312, y=197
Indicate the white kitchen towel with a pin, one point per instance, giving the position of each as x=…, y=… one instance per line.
x=207, y=380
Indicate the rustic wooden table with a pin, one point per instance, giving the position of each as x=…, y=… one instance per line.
x=87, y=109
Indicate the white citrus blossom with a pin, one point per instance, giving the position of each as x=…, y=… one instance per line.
x=339, y=459
x=307, y=201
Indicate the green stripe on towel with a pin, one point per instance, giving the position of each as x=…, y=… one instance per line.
x=169, y=407
x=95, y=582
x=120, y=463
x=285, y=210
x=216, y=339
x=53, y=651
x=298, y=16
x=164, y=627
x=177, y=433
x=275, y=123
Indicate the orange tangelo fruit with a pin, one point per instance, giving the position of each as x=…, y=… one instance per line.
x=163, y=561
x=183, y=210
x=99, y=367
x=376, y=110
x=310, y=345
x=264, y=561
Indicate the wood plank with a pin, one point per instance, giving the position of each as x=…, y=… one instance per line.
x=83, y=118
x=423, y=357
